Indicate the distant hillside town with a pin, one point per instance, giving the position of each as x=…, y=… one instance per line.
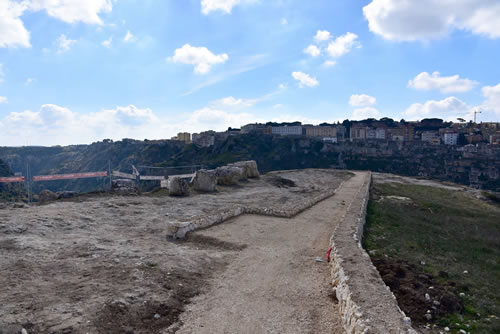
x=432, y=130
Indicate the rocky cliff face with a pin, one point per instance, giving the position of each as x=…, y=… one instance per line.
x=469, y=165
x=478, y=166
x=4, y=169
x=9, y=192
x=87, y=158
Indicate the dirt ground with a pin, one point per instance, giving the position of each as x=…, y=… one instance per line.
x=103, y=265
x=410, y=285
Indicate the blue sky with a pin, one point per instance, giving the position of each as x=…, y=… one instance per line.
x=80, y=71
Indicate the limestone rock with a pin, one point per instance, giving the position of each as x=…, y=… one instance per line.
x=229, y=175
x=177, y=186
x=249, y=168
x=204, y=180
x=124, y=187
x=47, y=196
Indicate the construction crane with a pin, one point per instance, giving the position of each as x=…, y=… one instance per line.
x=475, y=113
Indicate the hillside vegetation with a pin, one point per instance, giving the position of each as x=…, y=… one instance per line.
x=439, y=242
x=10, y=192
x=441, y=162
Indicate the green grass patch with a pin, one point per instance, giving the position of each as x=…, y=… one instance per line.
x=450, y=232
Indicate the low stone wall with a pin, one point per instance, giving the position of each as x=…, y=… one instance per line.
x=366, y=304
x=178, y=230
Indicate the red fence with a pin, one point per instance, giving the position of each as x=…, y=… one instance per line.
x=69, y=176
x=11, y=179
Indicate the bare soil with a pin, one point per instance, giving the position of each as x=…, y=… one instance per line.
x=410, y=285
x=103, y=265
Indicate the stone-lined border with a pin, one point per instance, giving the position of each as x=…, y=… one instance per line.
x=366, y=304
x=178, y=230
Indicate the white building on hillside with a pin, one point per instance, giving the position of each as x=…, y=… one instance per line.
x=294, y=130
x=451, y=138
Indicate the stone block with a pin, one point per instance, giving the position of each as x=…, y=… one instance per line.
x=249, y=168
x=177, y=186
x=204, y=180
x=228, y=175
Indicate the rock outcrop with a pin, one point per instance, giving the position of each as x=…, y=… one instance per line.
x=204, y=181
x=177, y=186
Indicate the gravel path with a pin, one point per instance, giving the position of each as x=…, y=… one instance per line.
x=275, y=284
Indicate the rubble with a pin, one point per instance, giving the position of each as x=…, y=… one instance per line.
x=124, y=187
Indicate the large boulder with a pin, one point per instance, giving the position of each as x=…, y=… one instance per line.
x=204, y=180
x=124, y=187
x=177, y=186
x=229, y=175
x=47, y=196
x=249, y=168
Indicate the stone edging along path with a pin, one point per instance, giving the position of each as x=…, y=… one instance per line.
x=366, y=304
x=178, y=230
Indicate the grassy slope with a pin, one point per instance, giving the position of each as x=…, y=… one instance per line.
x=449, y=231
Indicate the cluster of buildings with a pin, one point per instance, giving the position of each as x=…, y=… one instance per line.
x=433, y=131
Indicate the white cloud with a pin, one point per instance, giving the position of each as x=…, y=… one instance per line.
x=329, y=63
x=231, y=102
x=451, y=84
x=14, y=33
x=226, y=6
x=12, y=30
x=305, y=80
x=128, y=37
x=406, y=20
x=343, y=45
x=3, y=99
x=73, y=11
x=492, y=95
x=2, y=75
x=64, y=44
x=284, y=21
x=362, y=100
x=215, y=119
x=322, y=35
x=26, y=117
x=201, y=57
x=312, y=50
x=29, y=81
x=364, y=113
x=56, y=125
x=107, y=43
x=448, y=109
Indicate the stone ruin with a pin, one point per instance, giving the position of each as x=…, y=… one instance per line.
x=206, y=180
x=178, y=186
x=250, y=169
